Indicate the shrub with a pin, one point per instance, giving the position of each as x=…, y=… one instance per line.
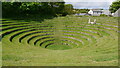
x=103, y=15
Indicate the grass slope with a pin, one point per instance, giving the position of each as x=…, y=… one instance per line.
x=62, y=41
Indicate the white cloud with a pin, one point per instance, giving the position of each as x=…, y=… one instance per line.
x=104, y=4
x=89, y=0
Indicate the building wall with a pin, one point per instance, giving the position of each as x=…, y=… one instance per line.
x=95, y=13
x=90, y=12
x=117, y=13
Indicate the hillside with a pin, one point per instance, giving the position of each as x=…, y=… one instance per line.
x=61, y=41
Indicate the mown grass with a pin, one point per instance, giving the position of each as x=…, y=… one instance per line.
x=84, y=45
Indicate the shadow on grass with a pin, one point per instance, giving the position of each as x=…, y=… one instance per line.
x=28, y=17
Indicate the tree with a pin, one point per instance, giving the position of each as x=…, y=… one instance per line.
x=115, y=6
x=27, y=8
x=53, y=7
x=68, y=9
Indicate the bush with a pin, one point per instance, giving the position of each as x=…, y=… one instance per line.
x=103, y=15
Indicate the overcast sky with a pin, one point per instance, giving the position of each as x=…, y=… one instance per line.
x=90, y=4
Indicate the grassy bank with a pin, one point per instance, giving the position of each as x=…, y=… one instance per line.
x=61, y=41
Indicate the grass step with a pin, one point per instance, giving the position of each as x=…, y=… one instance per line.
x=28, y=41
x=41, y=39
x=20, y=39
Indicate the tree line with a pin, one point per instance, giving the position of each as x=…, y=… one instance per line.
x=45, y=8
x=41, y=8
x=115, y=6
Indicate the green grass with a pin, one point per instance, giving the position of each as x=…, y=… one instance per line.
x=0, y=54
x=73, y=42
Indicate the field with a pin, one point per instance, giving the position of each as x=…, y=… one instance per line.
x=61, y=41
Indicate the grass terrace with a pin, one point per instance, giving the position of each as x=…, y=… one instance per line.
x=61, y=41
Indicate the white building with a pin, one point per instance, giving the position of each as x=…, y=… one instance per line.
x=95, y=12
x=117, y=13
x=98, y=12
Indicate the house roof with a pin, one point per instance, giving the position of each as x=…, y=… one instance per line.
x=97, y=10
